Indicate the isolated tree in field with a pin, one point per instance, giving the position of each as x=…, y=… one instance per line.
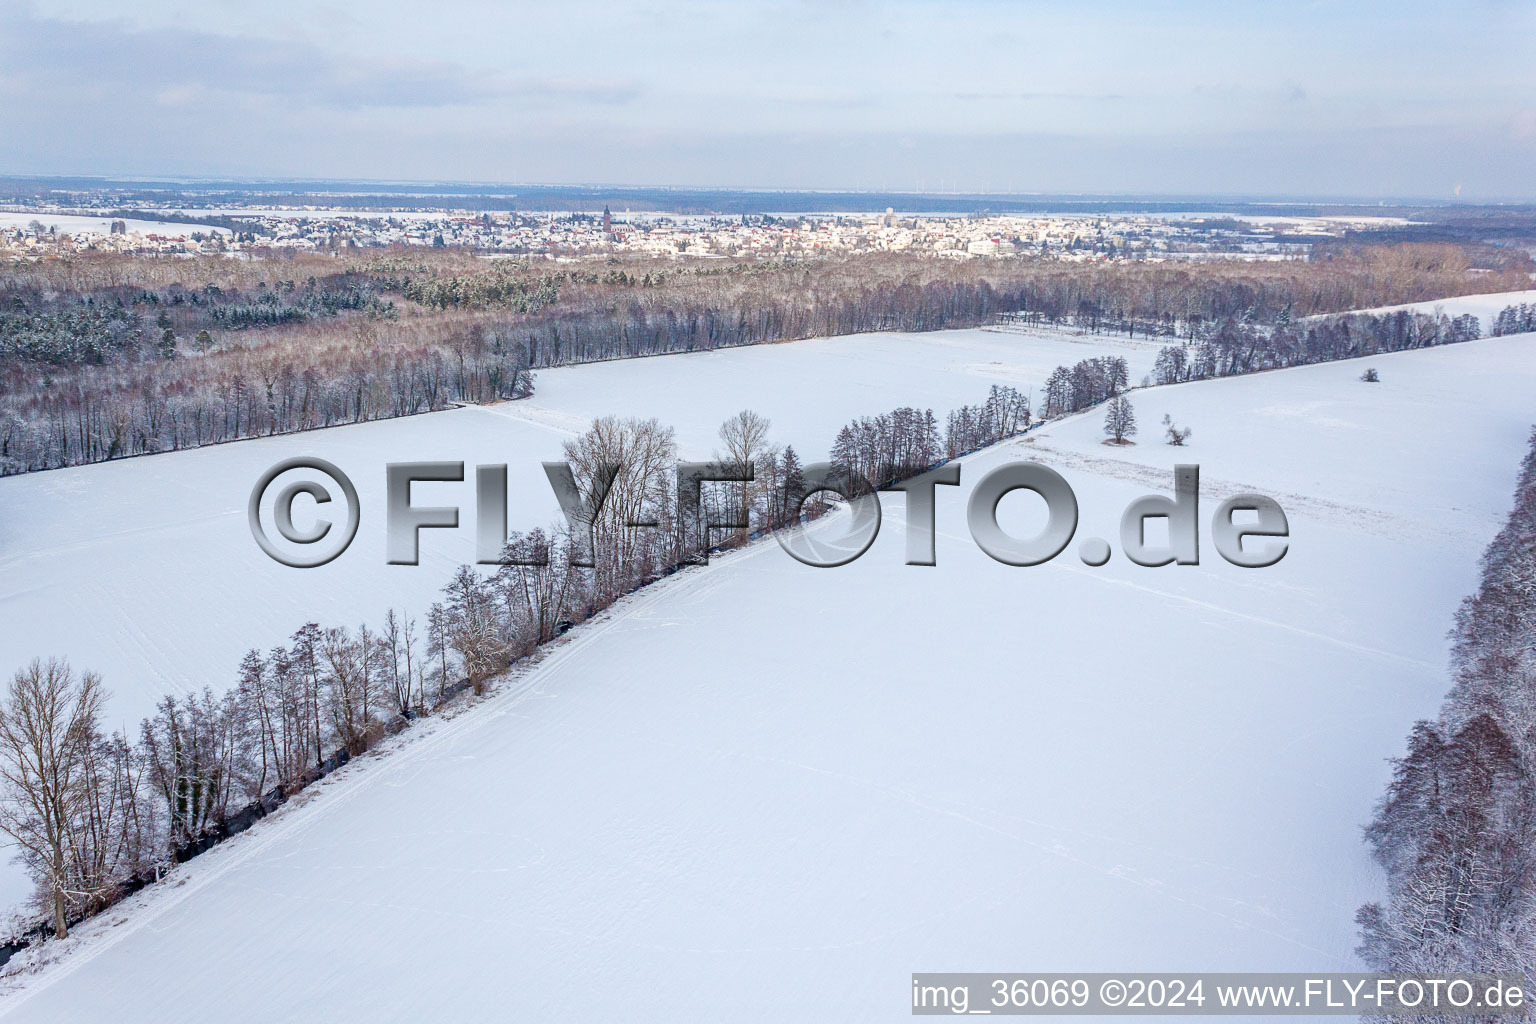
x=1370, y=376
x=1119, y=419
x=1175, y=434
x=47, y=730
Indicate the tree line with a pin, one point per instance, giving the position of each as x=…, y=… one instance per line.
x=1234, y=347
x=887, y=448
x=1085, y=384
x=1515, y=319
x=79, y=419
x=108, y=324
x=1457, y=827
x=105, y=356
x=97, y=816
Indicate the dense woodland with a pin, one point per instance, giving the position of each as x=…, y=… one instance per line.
x=105, y=356
x=1456, y=831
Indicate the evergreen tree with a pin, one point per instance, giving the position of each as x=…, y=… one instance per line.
x=1120, y=420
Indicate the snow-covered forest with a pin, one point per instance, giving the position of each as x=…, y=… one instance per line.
x=1457, y=825
x=107, y=357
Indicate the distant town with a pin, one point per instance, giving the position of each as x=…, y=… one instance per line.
x=29, y=233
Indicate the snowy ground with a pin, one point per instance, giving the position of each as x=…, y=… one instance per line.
x=763, y=791
x=145, y=569
x=76, y=224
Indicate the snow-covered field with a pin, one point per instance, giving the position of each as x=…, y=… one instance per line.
x=76, y=224
x=309, y=213
x=763, y=791
x=145, y=570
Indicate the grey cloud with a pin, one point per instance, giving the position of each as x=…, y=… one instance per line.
x=762, y=93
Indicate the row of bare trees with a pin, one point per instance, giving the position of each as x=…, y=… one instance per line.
x=1006, y=412
x=95, y=816
x=98, y=815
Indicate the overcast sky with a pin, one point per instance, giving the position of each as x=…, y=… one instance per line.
x=1368, y=99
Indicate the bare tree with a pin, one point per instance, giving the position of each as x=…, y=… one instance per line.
x=475, y=629
x=535, y=585
x=622, y=468
x=306, y=658
x=47, y=730
x=745, y=437
x=347, y=684
x=396, y=640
